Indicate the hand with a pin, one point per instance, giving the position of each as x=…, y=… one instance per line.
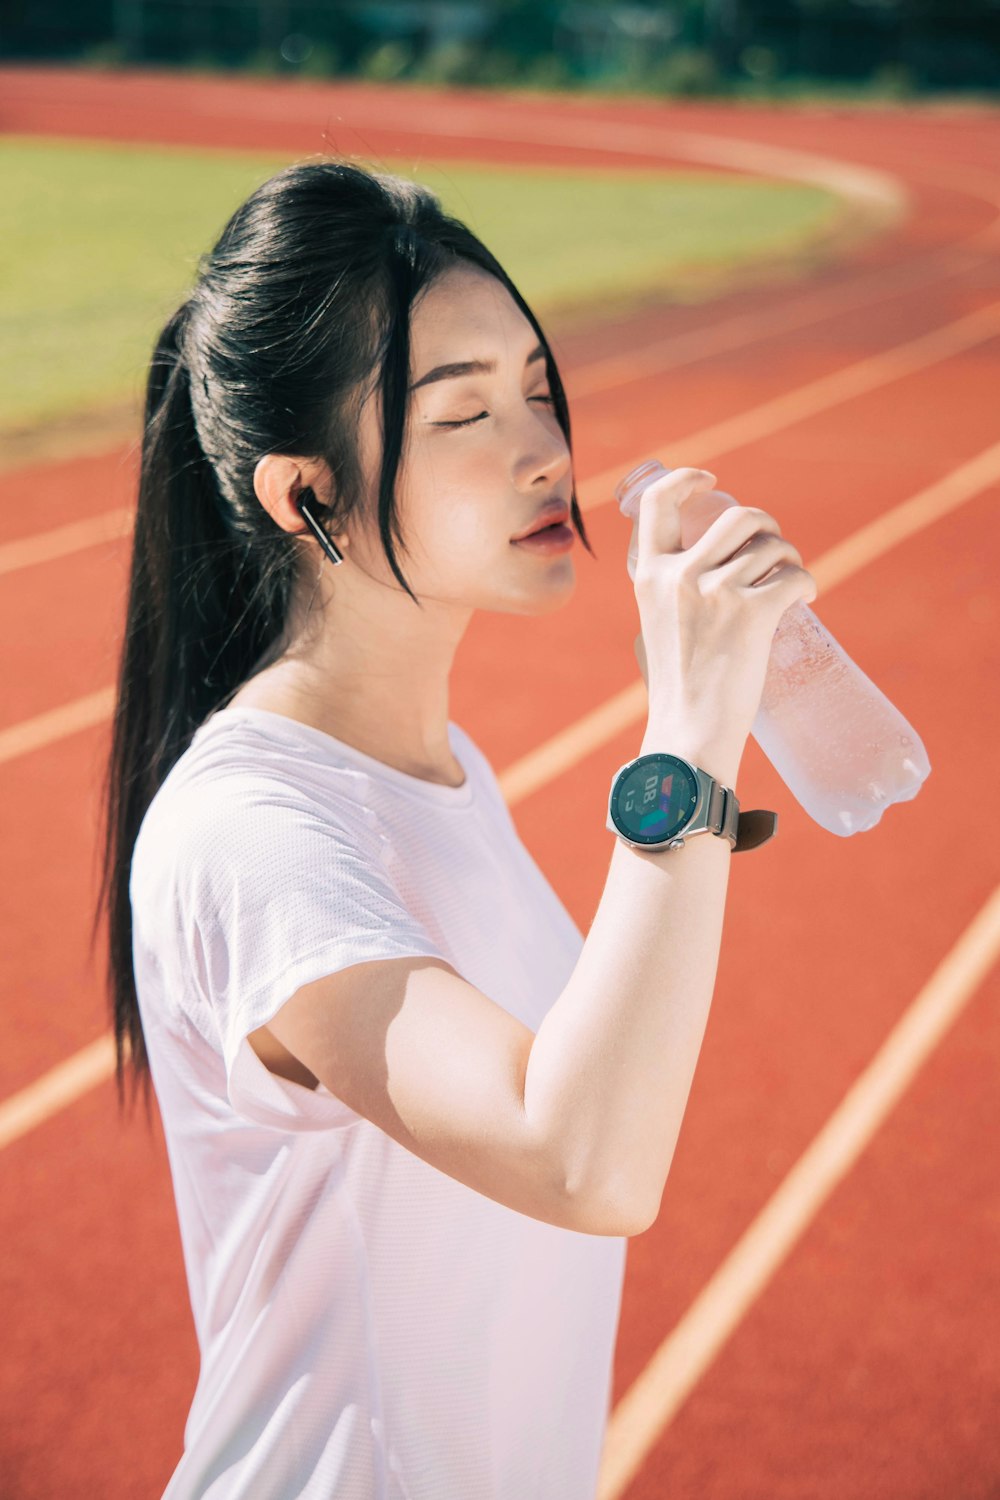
x=708, y=612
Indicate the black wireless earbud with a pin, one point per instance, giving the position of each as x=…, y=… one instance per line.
x=332, y=552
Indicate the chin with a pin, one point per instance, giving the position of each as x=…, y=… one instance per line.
x=552, y=589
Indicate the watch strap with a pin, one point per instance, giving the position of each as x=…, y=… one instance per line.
x=754, y=827
x=745, y=830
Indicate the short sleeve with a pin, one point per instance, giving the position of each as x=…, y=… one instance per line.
x=279, y=890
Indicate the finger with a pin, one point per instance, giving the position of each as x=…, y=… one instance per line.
x=695, y=520
x=659, y=518
x=798, y=580
x=730, y=533
x=758, y=557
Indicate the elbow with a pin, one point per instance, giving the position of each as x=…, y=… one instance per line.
x=614, y=1209
x=641, y=1218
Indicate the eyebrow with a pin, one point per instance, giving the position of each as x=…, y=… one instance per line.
x=469, y=367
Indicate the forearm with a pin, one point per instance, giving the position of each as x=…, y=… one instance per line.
x=611, y=1067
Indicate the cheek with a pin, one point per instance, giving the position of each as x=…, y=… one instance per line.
x=455, y=505
x=459, y=540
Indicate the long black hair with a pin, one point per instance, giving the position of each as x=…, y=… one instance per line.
x=298, y=313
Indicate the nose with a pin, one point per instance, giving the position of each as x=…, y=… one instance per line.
x=543, y=455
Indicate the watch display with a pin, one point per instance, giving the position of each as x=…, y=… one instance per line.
x=655, y=800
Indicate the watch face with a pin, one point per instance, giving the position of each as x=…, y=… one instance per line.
x=654, y=799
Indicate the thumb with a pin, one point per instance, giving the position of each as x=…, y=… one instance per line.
x=659, y=513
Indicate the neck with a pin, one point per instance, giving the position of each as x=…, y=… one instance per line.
x=374, y=683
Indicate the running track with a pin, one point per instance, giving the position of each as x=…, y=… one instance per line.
x=814, y=1315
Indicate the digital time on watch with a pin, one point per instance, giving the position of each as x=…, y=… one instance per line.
x=659, y=800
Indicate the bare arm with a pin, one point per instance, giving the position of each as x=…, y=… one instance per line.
x=612, y=1064
x=437, y=1065
x=575, y=1126
x=578, y=1124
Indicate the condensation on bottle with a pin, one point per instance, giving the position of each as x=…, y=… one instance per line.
x=842, y=749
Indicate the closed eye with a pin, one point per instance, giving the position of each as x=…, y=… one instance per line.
x=467, y=423
x=548, y=400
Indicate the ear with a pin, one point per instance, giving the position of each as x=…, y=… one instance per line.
x=279, y=480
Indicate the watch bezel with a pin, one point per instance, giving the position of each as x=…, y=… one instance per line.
x=673, y=838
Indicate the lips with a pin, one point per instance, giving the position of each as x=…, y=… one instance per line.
x=556, y=513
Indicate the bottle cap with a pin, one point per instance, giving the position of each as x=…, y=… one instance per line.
x=629, y=489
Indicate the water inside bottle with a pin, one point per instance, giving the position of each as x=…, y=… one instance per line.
x=839, y=745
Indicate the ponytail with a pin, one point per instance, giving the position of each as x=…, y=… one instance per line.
x=191, y=637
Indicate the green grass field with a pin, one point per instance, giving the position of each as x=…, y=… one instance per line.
x=103, y=241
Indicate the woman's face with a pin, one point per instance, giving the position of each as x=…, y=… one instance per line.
x=483, y=454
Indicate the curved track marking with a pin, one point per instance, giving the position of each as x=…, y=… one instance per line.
x=559, y=754
x=819, y=395
x=56, y=724
x=45, y=546
x=907, y=518
x=737, y=332
x=597, y=377
x=642, y=1414
x=709, y=442
x=57, y=1089
x=876, y=190
x=603, y=723
x=869, y=186
x=649, y=1405
x=861, y=184
x=978, y=184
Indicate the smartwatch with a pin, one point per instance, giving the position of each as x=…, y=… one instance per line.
x=659, y=800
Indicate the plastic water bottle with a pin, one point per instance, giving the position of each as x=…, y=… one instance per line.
x=842, y=749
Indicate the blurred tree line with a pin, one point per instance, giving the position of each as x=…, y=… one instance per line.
x=897, y=47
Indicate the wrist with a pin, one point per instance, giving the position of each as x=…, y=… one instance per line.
x=720, y=761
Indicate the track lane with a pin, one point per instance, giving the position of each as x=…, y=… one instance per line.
x=867, y=1369
x=733, y=391
x=801, y=1197
x=734, y=1139
x=881, y=882
x=829, y=500
x=929, y=507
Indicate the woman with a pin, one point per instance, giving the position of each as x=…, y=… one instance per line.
x=411, y=1115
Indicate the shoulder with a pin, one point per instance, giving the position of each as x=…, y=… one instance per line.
x=225, y=812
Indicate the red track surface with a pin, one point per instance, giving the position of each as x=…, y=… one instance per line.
x=868, y=1369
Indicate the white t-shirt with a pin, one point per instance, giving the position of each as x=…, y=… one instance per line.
x=369, y=1328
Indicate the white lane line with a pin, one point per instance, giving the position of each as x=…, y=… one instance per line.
x=652, y=1401
x=616, y=714
x=708, y=443
x=57, y=1089
x=682, y=1358
x=878, y=190
x=638, y=1421
x=45, y=546
x=760, y=327
x=56, y=724
x=910, y=516
x=531, y=772
x=817, y=396
x=608, y=719
x=887, y=194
